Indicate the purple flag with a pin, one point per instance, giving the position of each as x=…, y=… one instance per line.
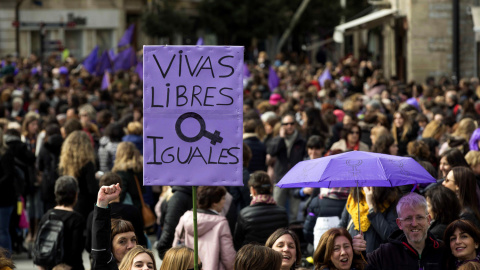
x=105, y=81
x=246, y=71
x=200, y=41
x=273, y=80
x=139, y=70
x=91, y=61
x=325, y=76
x=103, y=64
x=192, y=130
x=127, y=36
x=125, y=60
x=111, y=54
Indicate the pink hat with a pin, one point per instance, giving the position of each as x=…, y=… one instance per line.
x=339, y=114
x=276, y=98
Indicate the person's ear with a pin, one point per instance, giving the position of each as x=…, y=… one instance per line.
x=399, y=223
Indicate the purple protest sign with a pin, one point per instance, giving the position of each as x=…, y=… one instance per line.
x=193, y=105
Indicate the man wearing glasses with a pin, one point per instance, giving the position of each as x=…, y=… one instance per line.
x=411, y=247
x=288, y=149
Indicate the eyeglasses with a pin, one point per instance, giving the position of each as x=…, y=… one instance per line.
x=199, y=267
x=286, y=124
x=409, y=220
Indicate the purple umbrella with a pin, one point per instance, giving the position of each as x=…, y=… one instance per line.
x=356, y=169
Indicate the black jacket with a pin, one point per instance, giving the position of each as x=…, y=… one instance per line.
x=437, y=229
x=47, y=164
x=179, y=203
x=88, y=190
x=256, y=222
x=277, y=148
x=73, y=238
x=7, y=180
x=101, y=243
x=399, y=254
x=381, y=226
x=325, y=207
x=121, y=211
x=259, y=154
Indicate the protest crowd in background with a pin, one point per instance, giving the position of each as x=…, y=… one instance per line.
x=80, y=121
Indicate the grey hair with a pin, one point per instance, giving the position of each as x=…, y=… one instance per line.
x=412, y=200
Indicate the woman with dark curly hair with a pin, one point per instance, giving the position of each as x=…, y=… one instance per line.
x=335, y=251
x=385, y=144
x=419, y=149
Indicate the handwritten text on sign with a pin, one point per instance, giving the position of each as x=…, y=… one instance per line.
x=193, y=115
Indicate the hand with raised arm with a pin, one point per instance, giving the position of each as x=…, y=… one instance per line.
x=106, y=194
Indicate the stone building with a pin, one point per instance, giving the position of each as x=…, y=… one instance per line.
x=414, y=39
x=78, y=25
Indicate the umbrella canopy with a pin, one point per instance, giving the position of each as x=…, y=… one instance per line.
x=356, y=168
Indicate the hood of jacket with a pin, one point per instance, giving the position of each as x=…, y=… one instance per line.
x=399, y=238
x=132, y=138
x=54, y=144
x=205, y=222
x=7, y=138
x=104, y=141
x=185, y=189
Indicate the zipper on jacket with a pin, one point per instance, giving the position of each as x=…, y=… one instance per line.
x=420, y=262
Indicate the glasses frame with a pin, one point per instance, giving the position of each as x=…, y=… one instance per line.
x=414, y=218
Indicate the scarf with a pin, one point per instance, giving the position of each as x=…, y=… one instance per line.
x=262, y=198
x=476, y=259
x=352, y=208
x=289, y=140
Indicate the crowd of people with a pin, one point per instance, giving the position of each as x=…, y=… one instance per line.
x=72, y=151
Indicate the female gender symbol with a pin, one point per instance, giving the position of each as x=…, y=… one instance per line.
x=214, y=138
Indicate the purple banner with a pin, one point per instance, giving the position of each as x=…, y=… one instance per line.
x=193, y=104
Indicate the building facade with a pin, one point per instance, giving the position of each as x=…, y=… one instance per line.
x=414, y=39
x=78, y=25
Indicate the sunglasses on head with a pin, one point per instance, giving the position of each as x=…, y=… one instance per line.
x=199, y=267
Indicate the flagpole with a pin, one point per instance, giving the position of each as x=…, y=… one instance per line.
x=195, y=237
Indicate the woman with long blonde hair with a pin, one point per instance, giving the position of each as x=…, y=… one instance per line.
x=129, y=166
x=179, y=258
x=77, y=159
x=403, y=131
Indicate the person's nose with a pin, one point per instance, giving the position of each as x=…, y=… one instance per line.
x=131, y=244
x=414, y=222
x=342, y=251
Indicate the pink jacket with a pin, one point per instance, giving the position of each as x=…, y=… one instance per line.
x=215, y=244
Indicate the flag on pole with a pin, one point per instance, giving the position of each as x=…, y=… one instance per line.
x=125, y=60
x=273, y=80
x=246, y=71
x=325, y=76
x=111, y=54
x=127, y=36
x=105, y=81
x=104, y=64
x=91, y=61
x=139, y=70
x=200, y=41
